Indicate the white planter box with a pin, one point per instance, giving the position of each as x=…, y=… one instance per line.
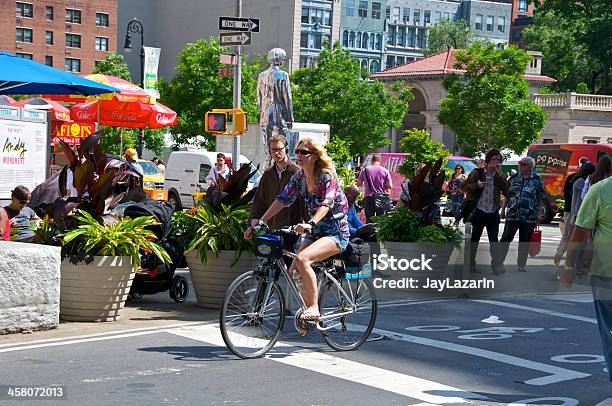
x=210, y=281
x=96, y=291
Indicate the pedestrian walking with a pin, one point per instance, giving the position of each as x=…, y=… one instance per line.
x=484, y=187
x=602, y=170
x=521, y=210
x=456, y=189
x=272, y=182
x=376, y=180
x=595, y=215
x=568, y=190
x=219, y=170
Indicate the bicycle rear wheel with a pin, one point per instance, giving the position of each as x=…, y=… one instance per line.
x=347, y=332
x=244, y=331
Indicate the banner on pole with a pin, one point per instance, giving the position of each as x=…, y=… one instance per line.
x=150, y=72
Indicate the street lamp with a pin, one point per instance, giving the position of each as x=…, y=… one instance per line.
x=136, y=27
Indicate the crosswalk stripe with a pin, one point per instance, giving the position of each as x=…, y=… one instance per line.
x=379, y=378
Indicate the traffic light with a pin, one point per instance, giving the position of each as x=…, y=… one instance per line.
x=215, y=122
x=241, y=123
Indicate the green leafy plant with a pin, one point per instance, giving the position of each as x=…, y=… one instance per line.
x=404, y=225
x=421, y=149
x=216, y=230
x=125, y=237
x=219, y=223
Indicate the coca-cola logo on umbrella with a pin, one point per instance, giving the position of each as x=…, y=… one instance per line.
x=84, y=115
x=119, y=116
x=163, y=119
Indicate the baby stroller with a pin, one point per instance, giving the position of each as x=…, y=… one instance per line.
x=153, y=276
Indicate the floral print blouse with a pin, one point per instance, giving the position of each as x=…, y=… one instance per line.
x=327, y=193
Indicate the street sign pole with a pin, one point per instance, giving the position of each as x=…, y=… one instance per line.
x=237, y=93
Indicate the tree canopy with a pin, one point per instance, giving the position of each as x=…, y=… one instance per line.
x=446, y=34
x=198, y=88
x=421, y=149
x=575, y=38
x=114, y=65
x=488, y=106
x=358, y=111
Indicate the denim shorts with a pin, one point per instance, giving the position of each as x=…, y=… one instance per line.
x=340, y=240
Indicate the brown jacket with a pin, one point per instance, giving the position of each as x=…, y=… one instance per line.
x=268, y=190
x=500, y=185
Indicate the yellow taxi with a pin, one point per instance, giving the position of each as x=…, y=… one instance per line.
x=153, y=181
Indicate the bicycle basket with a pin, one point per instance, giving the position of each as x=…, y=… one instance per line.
x=356, y=255
x=269, y=246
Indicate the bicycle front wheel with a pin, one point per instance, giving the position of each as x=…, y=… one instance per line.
x=349, y=324
x=249, y=326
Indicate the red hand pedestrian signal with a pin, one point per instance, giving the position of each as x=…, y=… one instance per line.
x=215, y=122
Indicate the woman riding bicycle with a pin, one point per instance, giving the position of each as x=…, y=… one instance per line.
x=324, y=236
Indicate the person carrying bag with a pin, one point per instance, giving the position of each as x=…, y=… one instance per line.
x=377, y=201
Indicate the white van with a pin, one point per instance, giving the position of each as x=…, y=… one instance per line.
x=186, y=173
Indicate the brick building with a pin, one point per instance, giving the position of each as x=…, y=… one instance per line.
x=66, y=34
x=522, y=16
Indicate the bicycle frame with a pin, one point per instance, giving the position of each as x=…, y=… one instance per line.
x=282, y=267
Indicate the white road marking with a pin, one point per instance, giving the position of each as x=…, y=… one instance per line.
x=590, y=358
x=538, y=401
x=402, y=384
x=556, y=374
x=385, y=305
x=78, y=341
x=536, y=310
x=607, y=402
x=107, y=334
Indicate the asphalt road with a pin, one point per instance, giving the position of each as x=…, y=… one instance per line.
x=507, y=347
x=422, y=352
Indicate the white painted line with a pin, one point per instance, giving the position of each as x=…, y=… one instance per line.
x=556, y=374
x=110, y=335
x=536, y=310
x=402, y=384
x=385, y=305
x=607, y=402
x=78, y=341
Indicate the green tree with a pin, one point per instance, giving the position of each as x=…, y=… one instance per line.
x=575, y=38
x=111, y=141
x=488, y=105
x=358, y=111
x=198, y=88
x=421, y=149
x=446, y=34
x=113, y=65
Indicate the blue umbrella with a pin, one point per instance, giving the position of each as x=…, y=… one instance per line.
x=23, y=76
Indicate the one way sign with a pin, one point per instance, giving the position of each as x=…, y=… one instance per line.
x=239, y=24
x=234, y=38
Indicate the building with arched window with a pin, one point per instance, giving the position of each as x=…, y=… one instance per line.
x=362, y=25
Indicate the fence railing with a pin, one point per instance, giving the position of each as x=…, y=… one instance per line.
x=571, y=100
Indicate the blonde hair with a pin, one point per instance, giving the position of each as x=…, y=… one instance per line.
x=324, y=163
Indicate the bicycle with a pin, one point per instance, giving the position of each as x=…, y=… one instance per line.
x=253, y=312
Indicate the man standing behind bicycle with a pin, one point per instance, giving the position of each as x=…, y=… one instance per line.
x=324, y=237
x=272, y=182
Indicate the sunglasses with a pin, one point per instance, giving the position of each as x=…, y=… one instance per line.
x=303, y=152
x=24, y=201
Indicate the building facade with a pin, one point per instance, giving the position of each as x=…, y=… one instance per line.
x=66, y=34
x=425, y=77
x=319, y=26
x=522, y=16
x=362, y=32
x=300, y=27
x=408, y=23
